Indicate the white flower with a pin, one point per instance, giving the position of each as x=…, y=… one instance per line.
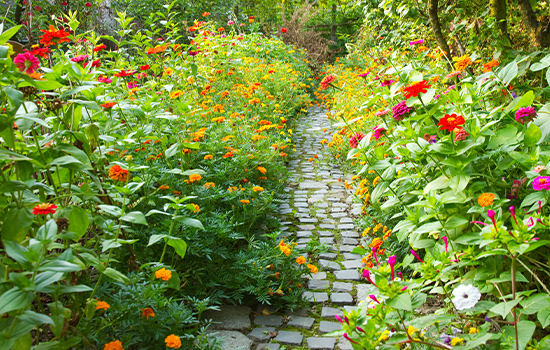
x=466, y=297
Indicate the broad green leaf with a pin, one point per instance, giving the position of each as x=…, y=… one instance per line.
x=535, y=303
x=401, y=302
x=155, y=238
x=116, y=275
x=135, y=217
x=78, y=222
x=532, y=135
x=525, y=332
x=5, y=36
x=508, y=73
x=179, y=246
x=16, y=224
x=456, y=221
x=504, y=308
x=437, y=184
x=423, y=243
x=172, y=150
x=189, y=222
x=47, y=232
x=544, y=316
x=58, y=265
x=14, y=299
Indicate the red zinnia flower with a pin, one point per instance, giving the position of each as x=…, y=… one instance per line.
x=327, y=81
x=40, y=51
x=53, y=36
x=283, y=30
x=108, y=105
x=146, y=67
x=44, y=209
x=416, y=88
x=99, y=47
x=124, y=73
x=451, y=121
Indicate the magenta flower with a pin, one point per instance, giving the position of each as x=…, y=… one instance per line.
x=386, y=82
x=391, y=261
x=445, y=240
x=378, y=132
x=513, y=211
x=366, y=274
x=541, y=183
x=420, y=41
x=348, y=338
x=230, y=23
x=375, y=256
x=355, y=139
x=401, y=111
x=373, y=297
x=525, y=114
x=363, y=75
x=416, y=256
x=491, y=214
x=339, y=319
x=105, y=80
x=26, y=62
x=79, y=58
x=360, y=329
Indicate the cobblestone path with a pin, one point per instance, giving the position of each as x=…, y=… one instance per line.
x=318, y=207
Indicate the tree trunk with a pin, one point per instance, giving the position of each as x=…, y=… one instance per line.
x=333, y=28
x=436, y=26
x=541, y=31
x=498, y=11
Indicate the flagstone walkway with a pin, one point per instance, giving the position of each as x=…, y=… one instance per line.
x=318, y=207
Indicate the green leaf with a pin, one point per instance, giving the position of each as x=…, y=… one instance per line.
x=58, y=265
x=172, y=151
x=5, y=36
x=535, y=303
x=508, y=73
x=548, y=76
x=504, y=308
x=544, y=317
x=35, y=318
x=111, y=209
x=401, y=302
x=14, y=299
x=456, y=221
x=16, y=224
x=47, y=232
x=78, y=222
x=135, y=217
x=423, y=243
x=543, y=118
x=179, y=246
x=189, y=222
x=437, y=184
x=116, y=275
x=525, y=332
x=532, y=135
x=475, y=342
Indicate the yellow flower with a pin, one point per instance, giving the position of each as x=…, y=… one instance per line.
x=173, y=341
x=244, y=201
x=463, y=62
x=208, y=156
x=262, y=170
x=163, y=274
x=168, y=71
x=312, y=268
x=257, y=189
x=384, y=336
x=456, y=341
x=300, y=260
x=176, y=94
x=473, y=330
x=410, y=330
x=194, y=177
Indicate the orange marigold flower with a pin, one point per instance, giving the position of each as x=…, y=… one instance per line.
x=283, y=154
x=300, y=260
x=44, y=209
x=102, y=305
x=196, y=208
x=376, y=243
x=244, y=201
x=164, y=187
x=209, y=185
x=486, y=199
x=228, y=155
x=147, y=312
x=261, y=169
x=463, y=62
x=312, y=268
x=163, y=274
x=108, y=105
x=114, y=345
x=194, y=177
x=176, y=94
x=257, y=189
x=487, y=67
x=117, y=173
x=177, y=193
x=173, y=341
x=208, y=156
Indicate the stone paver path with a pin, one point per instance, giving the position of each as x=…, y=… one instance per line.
x=317, y=207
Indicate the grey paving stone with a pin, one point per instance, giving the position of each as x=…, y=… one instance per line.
x=270, y=346
x=308, y=220
x=326, y=240
x=321, y=205
x=341, y=298
x=315, y=297
x=350, y=241
x=364, y=290
x=349, y=256
x=329, y=265
x=314, y=343
x=329, y=312
x=338, y=215
x=230, y=317
x=311, y=185
x=347, y=275
x=342, y=287
x=289, y=337
x=269, y=320
x=325, y=233
x=302, y=234
x=306, y=227
x=285, y=211
x=327, y=226
x=321, y=275
x=303, y=240
x=346, y=220
x=328, y=256
x=352, y=264
x=347, y=248
x=350, y=234
x=328, y=221
x=318, y=284
x=301, y=322
x=232, y=340
x=327, y=327
x=261, y=333
x=344, y=344
x=301, y=205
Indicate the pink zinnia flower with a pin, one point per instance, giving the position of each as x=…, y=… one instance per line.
x=541, y=183
x=26, y=62
x=79, y=58
x=401, y=111
x=526, y=114
x=105, y=80
x=539, y=168
x=379, y=131
x=354, y=140
x=381, y=113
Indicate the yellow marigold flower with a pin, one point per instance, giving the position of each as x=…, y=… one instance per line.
x=218, y=119
x=244, y=201
x=208, y=156
x=375, y=181
x=366, y=232
x=456, y=341
x=173, y=341
x=257, y=189
x=300, y=260
x=102, y=305
x=147, y=312
x=463, y=62
x=194, y=177
x=323, y=141
x=114, y=345
x=376, y=243
x=312, y=268
x=163, y=274
x=385, y=335
x=168, y=71
x=164, y=187
x=262, y=170
x=486, y=199
x=196, y=208
x=209, y=185
x=410, y=330
x=473, y=330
